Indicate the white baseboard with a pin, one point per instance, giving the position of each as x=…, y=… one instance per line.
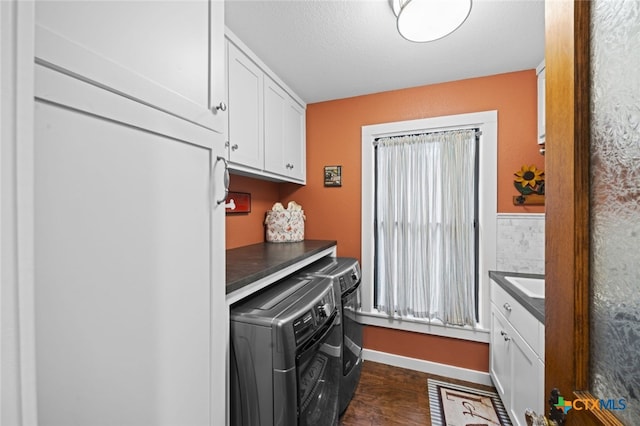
x=540, y=216
x=430, y=367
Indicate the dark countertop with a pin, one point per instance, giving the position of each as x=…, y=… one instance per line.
x=533, y=305
x=248, y=264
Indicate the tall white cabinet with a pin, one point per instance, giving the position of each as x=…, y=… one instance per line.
x=128, y=155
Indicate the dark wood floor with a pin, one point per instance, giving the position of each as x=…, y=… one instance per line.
x=389, y=395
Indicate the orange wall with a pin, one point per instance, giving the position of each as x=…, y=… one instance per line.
x=443, y=350
x=334, y=138
x=243, y=229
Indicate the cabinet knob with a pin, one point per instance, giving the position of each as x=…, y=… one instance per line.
x=220, y=107
x=234, y=147
x=507, y=307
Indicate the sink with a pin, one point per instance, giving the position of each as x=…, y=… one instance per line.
x=532, y=287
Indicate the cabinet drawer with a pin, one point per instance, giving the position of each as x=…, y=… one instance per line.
x=521, y=320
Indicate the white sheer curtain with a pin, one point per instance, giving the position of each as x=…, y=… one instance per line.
x=425, y=240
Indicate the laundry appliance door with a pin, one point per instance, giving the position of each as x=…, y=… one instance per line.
x=352, y=344
x=318, y=373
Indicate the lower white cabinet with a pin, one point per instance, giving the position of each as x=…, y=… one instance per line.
x=516, y=365
x=526, y=392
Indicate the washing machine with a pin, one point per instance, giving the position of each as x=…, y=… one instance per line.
x=346, y=276
x=285, y=362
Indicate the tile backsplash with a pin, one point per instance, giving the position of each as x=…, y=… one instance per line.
x=520, y=243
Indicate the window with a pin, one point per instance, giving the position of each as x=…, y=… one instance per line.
x=425, y=226
x=486, y=205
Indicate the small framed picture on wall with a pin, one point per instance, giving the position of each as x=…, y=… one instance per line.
x=332, y=175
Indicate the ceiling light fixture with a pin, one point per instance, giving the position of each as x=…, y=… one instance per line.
x=428, y=20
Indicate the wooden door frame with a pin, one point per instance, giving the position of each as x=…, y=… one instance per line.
x=567, y=243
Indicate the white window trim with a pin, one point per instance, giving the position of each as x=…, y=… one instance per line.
x=487, y=122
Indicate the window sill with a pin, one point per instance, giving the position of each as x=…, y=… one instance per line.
x=436, y=328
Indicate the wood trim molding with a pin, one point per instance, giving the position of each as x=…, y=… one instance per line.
x=582, y=96
x=567, y=195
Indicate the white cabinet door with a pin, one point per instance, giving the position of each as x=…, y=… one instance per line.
x=129, y=279
x=541, y=103
x=526, y=392
x=500, y=363
x=166, y=54
x=267, y=122
x=245, y=85
x=516, y=371
x=217, y=102
x=275, y=104
x=295, y=140
x=284, y=133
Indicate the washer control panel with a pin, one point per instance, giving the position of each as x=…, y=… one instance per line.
x=314, y=318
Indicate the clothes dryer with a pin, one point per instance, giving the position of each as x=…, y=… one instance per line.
x=285, y=355
x=345, y=274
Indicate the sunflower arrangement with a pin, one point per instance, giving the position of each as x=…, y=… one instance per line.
x=529, y=180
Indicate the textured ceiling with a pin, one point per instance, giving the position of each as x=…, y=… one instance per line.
x=332, y=49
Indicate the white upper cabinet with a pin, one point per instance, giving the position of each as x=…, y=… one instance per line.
x=284, y=129
x=267, y=131
x=166, y=54
x=245, y=85
x=540, y=70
